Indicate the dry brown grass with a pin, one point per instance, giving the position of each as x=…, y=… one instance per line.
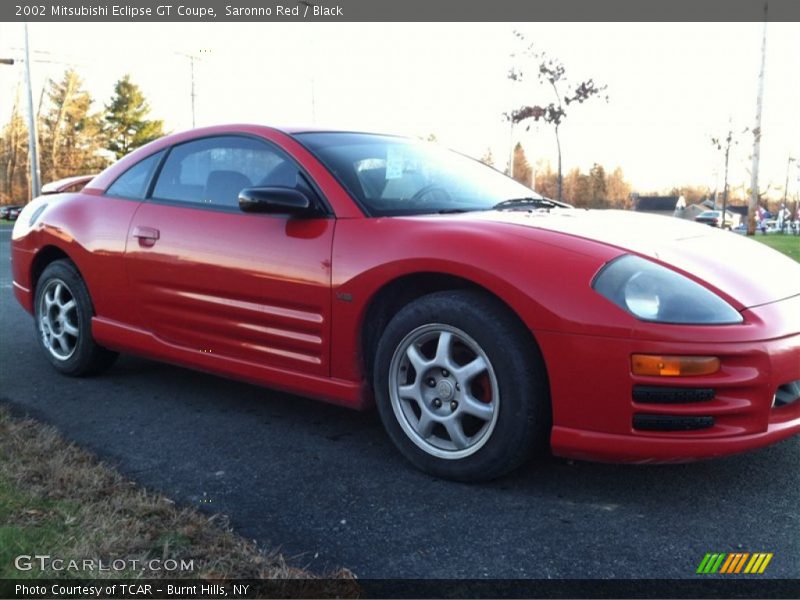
x=99, y=513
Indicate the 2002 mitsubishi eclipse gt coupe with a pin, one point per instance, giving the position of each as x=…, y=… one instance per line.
x=483, y=320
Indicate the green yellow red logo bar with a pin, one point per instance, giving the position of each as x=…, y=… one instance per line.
x=734, y=563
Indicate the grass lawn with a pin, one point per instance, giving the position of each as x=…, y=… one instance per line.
x=788, y=244
x=57, y=499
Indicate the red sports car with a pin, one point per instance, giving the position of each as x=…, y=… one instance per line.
x=484, y=321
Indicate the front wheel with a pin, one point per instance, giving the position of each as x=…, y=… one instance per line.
x=63, y=319
x=461, y=387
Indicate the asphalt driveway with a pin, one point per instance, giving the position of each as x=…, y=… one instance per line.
x=325, y=485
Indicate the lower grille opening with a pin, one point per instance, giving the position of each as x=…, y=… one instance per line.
x=647, y=422
x=656, y=394
x=787, y=394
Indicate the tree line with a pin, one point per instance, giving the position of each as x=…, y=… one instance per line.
x=595, y=189
x=73, y=138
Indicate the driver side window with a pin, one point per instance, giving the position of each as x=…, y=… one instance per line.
x=212, y=171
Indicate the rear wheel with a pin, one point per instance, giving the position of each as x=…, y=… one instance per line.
x=460, y=386
x=63, y=320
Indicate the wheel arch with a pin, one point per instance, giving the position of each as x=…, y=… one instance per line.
x=398, y=292
x=47, y=255
x=44, y=257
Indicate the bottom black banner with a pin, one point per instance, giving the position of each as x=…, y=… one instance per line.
x=400, y=588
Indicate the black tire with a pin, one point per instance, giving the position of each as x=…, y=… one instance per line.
x=87, y=357
x=522, y=424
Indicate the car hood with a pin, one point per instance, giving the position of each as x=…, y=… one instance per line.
x=748, y=272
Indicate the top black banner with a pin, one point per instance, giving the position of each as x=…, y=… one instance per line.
x=399, y=10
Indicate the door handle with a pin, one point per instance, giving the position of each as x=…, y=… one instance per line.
x=147, y=235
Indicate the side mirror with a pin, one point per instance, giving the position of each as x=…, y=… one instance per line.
x=276, y=200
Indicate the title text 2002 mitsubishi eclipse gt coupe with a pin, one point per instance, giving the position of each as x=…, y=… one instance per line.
x=483, y=320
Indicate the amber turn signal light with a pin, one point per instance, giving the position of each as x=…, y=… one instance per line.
x=655, y=365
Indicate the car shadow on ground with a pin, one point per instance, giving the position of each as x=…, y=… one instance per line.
x=202, y=392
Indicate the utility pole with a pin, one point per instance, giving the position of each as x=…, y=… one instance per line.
x=796, y=214
x=715, y=174
x=192, y=58
x=786, y=191
x=719, y=145
x=191, y=68
x=313, y=102
x=725, y=185
x=786, y=185
x=753, y=206
x=511, y=148
x=33, y=152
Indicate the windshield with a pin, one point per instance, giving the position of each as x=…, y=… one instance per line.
x=398, y=176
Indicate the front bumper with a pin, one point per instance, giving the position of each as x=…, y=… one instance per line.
x=594, y=410
x=642, y=449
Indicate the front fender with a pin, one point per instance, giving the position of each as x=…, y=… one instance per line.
x=528, y=274
x=98, y=256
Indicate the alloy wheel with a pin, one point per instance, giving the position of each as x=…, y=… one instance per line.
x=444, y=391
x=58, y=320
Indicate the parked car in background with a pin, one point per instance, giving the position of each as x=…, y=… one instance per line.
x=484, y=321
x=61, y=186
x=5, y=211
x=67, y=185
x=714, y=218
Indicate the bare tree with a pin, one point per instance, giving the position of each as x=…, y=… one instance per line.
x=725, y=144
x=551, y=72
x=70, y=133
x=14, y=156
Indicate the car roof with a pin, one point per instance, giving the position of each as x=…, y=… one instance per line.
x=297, y=129
x=292, y=129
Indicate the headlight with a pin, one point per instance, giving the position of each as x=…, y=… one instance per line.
x=651, y=292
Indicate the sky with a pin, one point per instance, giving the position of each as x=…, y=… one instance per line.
x=671, y=86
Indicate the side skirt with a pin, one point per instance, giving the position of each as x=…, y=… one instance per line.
x=123, y=338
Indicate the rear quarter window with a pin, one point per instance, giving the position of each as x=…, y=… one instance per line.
x=134, y=182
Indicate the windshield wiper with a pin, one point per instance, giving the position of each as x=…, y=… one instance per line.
x=529, y=202
x=451, y=211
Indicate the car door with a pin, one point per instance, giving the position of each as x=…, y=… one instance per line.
x=211, y=278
